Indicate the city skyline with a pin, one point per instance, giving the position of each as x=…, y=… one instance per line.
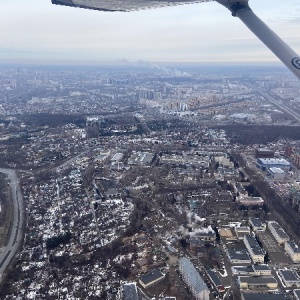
x=42, y=33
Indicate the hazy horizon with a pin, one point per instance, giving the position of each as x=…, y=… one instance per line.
x=37, y=32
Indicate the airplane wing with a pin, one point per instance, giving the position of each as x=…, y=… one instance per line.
x=123, y=5
x=283, y=51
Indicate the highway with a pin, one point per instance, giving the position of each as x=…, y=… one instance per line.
x=17, y=230
x=275, y=102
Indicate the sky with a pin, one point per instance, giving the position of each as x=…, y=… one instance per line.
x=37, y=32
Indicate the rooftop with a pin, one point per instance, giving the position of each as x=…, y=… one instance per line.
x=276, y=170
x=259, y=280
x=260, y=296
x=214, y=277
x=261, y=268
x=273, y=161
x=278, y=229
x=130, y=291
x=238, y=255
x=294, y=246
x=151, y=276
x=194, y=277
x=256, y=222
x=297, y=292
x=289, y=275
x=254, y=245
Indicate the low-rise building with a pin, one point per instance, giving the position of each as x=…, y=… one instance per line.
x=227, y=173
x=250, y=201
x=265, y=296
x=141, y=158
x=278, y=233
x=101, y=157
x=257, y=282
x=276, y=173
x=297, y=294
x=113, y=193
x=118, y=157
x=261, y=270
x=238, y=256
x=223, y=161
x=193, y=204
x=289, y=278
x=293, y=250
x=208, y=236
x=227, y=234
x=267, y=163
x=129, y=291
x=215, y=280
x=243, y=270
x=150, y=278
x=257, y=225
x=197, y=247
x=193, y=279
x=192, y=160
x=264, y=153
x=255, y=270
x=242, y=231
x=240, y=190
x=256, y=253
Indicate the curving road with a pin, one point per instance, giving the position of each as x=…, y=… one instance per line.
x=17, y=230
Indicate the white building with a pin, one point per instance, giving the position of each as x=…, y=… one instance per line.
x=193, y=279
x=256, y=252
x=278, y=233
x=267, y=163
x=255, y=270
x=277, y=173
x=257, y=224
x=293, y=250
x=250, y=201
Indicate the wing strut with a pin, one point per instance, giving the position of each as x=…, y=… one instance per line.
x=284, y=52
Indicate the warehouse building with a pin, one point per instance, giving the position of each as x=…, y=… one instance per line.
x=267, y=163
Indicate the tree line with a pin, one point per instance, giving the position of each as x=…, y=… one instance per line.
x=260, y=134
